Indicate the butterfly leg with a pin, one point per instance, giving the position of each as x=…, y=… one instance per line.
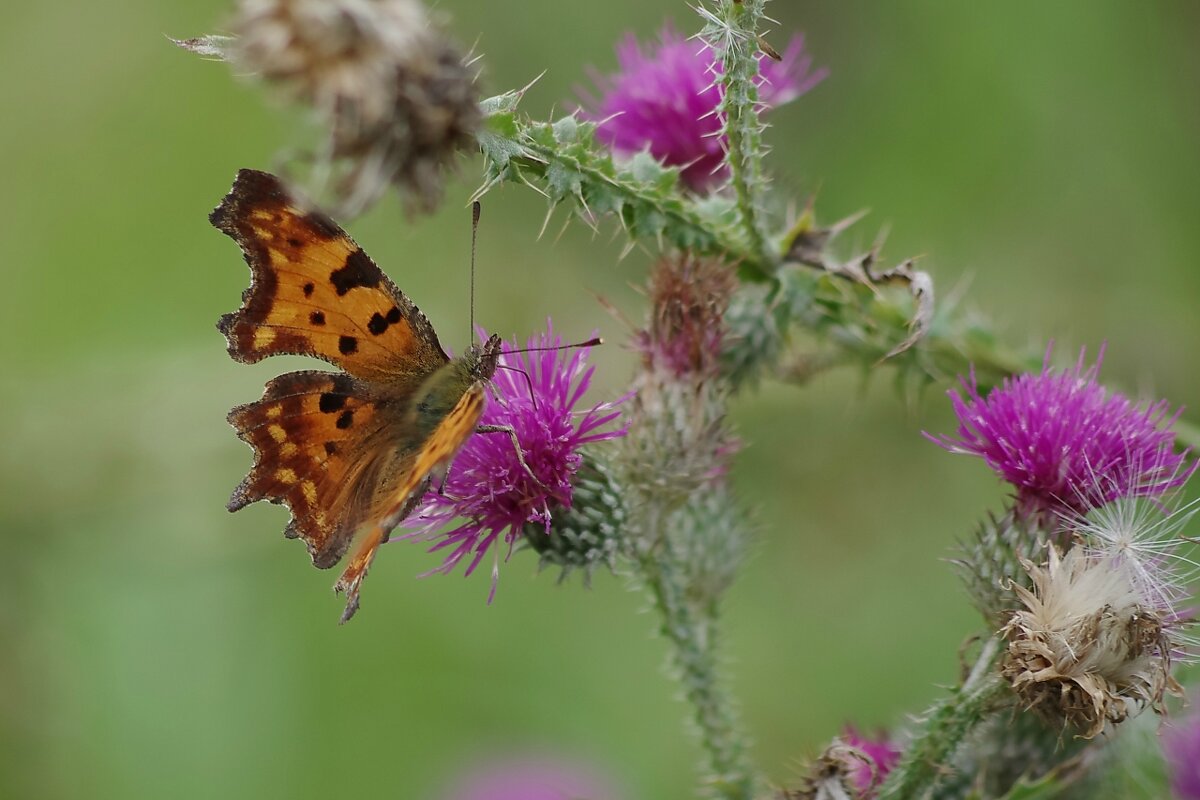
x=512, y=435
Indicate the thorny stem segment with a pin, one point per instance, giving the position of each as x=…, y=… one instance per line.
x=562, y=161
x=681, y=224
x=690, y=633
x=925, y=760
x=732, y=31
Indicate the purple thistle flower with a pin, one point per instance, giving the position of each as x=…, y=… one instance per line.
x=535, y=779
x=1065, y=442
x=665, y=100
x=1181, y=746
x=881, y=751
x=536, y=394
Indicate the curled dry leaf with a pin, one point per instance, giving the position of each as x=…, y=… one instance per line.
x=808, y=244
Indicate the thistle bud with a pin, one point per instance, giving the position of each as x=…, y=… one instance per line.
x=991, y=562
x=586, y=534
x=689, y=297
x=679, y=441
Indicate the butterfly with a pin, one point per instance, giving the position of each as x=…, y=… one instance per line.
x=357, y=447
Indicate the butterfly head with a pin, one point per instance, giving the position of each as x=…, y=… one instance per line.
x=482, y=358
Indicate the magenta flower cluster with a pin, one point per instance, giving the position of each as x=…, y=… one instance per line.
x=488, y=491
x=881, y=754
x=664, y=99
x=1065, y=442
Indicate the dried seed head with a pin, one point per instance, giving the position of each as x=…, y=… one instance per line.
x=394, y=95
x=1088, y=648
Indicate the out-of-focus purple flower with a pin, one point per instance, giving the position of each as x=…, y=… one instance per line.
x=536, y=394
x=664, y=99
x=1181, y=746
x=883, y=755
x=1065, y=442
x=541, y=779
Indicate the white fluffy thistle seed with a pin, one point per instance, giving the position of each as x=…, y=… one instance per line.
x=1145, y=536
x=1089, y=647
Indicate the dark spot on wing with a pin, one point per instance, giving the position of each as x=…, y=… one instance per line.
x=347, y=345
x=331, y=402
x=294, y=242
x=330, y=448
x=359, y=270
x=308, y=289
x=346, y=419
x=379, y=323
x=317, y=318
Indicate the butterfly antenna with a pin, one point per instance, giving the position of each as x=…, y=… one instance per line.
x=476, y=208
x=593, y=342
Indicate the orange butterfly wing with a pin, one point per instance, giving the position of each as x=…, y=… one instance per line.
x=332, y=446
x=314, y=292
x=307, y=433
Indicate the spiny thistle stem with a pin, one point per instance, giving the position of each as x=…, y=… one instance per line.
x=563, y=161
x=926, y=758
x=690, y=632
x=641, y=205
x=732, y=32
x=685, y=533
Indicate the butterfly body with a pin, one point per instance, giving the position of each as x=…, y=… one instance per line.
x=438, y=395
x=353, y=448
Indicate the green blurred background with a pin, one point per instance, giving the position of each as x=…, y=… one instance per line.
x=1042, y=157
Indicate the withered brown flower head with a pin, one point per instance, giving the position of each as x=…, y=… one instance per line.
x=688, y=298
x=1087, y=649
x=843, y=772
x=393, y=94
